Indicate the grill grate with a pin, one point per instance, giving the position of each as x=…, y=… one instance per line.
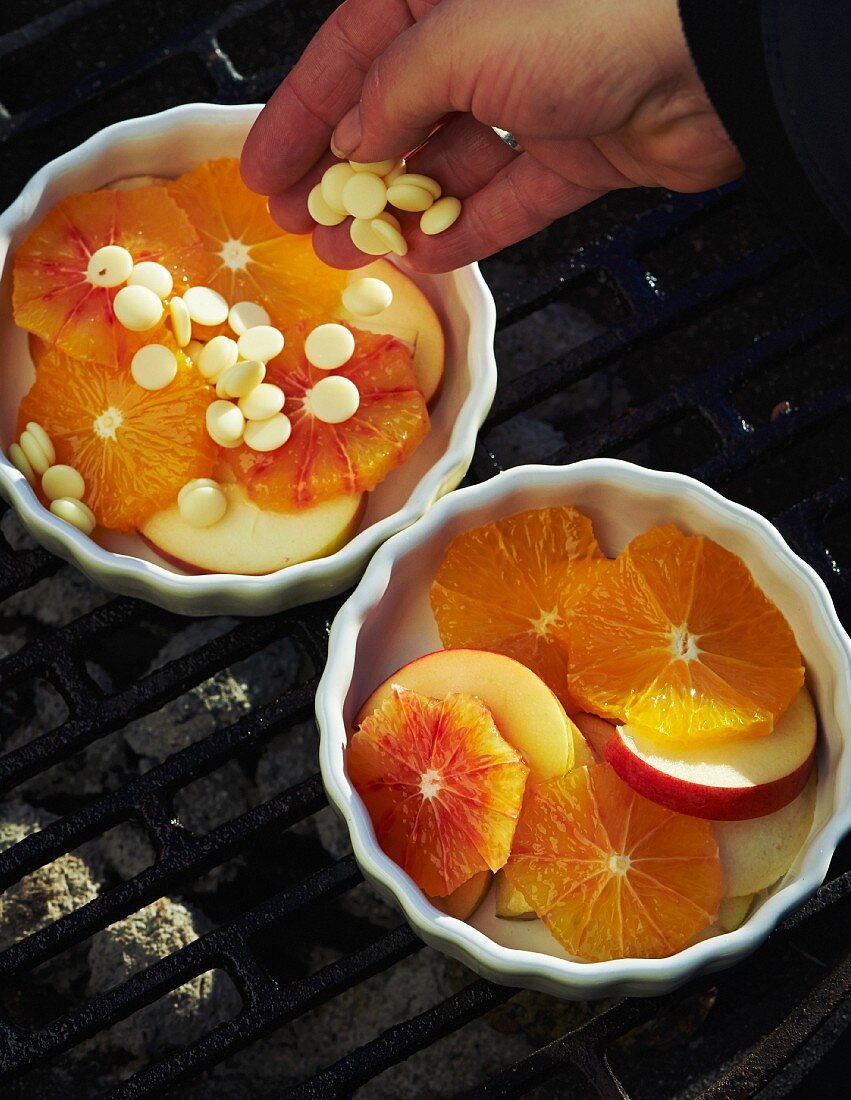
x=667, y=310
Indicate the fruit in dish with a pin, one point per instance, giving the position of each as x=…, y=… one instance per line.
x=528, y=714
x=677, y=639
x=629, y=842
x=110, y=429
x=511, y=585
x=324, y=460
x=442, y=786
x=64, y=298
x=729, y=780
x=207, y=380
x=610, y=873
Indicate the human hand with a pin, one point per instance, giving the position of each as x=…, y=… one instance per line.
x=601, y=94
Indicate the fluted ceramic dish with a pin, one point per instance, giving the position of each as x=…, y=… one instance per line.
x=388, y=621
x=167, y=144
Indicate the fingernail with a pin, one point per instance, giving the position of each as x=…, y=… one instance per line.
x=347, y=137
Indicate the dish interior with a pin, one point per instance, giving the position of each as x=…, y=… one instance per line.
x=169, y=153
x=400, y=627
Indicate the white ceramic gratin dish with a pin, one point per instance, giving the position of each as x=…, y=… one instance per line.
x=168, y=144
x=388, y=621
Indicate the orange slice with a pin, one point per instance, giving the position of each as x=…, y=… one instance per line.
x=53, y=297
x=612, y=875
x=678, y=641
x=135, y=448
x=321, y=461
x=441, y=785
x=511, y=586
x=253, y=258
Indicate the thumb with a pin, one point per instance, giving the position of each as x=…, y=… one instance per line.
x=414, y=84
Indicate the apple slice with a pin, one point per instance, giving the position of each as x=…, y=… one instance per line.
x=757, y=852
x=251, y=540
x=130, y=183
x=749, y=777
x=510, y=903
x=466, y=898
x=411, y=317
x=732, y=912
x=596, y=731
x=526, y=712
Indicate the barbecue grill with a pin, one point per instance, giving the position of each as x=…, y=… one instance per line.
x=682, y=332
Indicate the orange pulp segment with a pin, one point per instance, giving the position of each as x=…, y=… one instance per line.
x=254, y=259
x=611, y=874
x=135, y=448
x=442, y=787
x=52, y=295
x=511, y=587
x=320, y=461
x=678, y=641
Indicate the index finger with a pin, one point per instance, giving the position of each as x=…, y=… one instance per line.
x=294, y=128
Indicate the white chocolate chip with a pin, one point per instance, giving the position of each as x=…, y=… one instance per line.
x=269, y=434
x=35, y=454
x=261, y=342
x=319, y=209
x=332, y=184
x=438, y=218
x=365, y=240
x=154, y=276
x=63, y=481
x=395, y=172
x=44, y=440
x=329, y=346
x=245, y=315
x=137, y=308
x=202, y=503
x=109, y=266
x=333, y=399
x=75, y=512
x=225, y=421
x=181, y=323
x=416, y=179
x=366, y=297
x=22, y=463
x=377, y=167
x=263, y=401
x=193, y=349
x=194, y=484
x=217, y=356
x=153, y=367
x=405, y=196
x=390, y=235
x=228, y=444
x=365, y=195
x=241, y=378
x=206, y=306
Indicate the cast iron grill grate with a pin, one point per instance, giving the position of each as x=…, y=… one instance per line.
x=689, y=333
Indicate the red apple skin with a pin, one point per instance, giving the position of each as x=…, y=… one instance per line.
x=699, y=800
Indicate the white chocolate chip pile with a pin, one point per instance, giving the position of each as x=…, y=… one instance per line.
x=245, y=409
x=34, y=455
x=363, y=192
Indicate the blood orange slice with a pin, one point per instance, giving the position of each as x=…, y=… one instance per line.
x=135, y=448
x=676, y=640
x=441, y=785
x=511, y=586
x=611, y=874
x=321, y=461
x=253, y=258
x=53, y=297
